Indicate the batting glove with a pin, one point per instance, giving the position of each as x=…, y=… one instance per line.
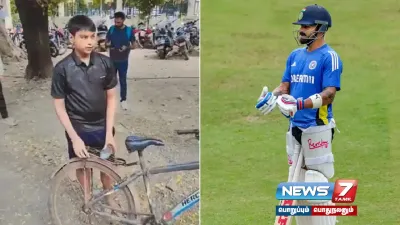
x=288, y=105
x=266, y=102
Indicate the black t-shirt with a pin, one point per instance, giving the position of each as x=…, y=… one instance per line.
x=84, y=89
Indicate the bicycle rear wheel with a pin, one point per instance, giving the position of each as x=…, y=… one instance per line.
x=78, y=216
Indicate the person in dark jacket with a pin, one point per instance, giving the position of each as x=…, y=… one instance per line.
x=3, y=106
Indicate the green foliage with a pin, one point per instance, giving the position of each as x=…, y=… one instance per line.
x=14, y=9
x=96, y=4
x=51, y=4
x=129, y=3
x=53, y=7
x=81, y=5
x=145, y=6
x=178, y=2
x=14, y=13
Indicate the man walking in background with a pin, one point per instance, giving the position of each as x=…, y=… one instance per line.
x=120, y=39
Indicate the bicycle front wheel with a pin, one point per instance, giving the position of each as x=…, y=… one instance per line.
x=75, y=183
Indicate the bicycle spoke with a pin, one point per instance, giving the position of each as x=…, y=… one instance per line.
x=117, y=218
x=115, y=209
x=78, y=192
x=71, y=183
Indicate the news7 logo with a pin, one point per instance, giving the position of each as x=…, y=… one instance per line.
x=344, y=191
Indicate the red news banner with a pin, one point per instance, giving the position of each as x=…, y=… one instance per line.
x=345, y=210
x=286, y=208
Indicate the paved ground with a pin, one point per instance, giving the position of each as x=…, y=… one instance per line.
x=163, y=96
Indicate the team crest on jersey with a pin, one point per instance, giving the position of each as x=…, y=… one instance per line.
x=312, y=65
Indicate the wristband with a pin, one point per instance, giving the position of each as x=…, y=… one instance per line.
x=316, y=100
x=300, y=104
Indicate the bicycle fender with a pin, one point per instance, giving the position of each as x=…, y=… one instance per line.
x=93, y=158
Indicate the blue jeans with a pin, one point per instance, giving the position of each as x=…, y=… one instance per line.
x=122, y=69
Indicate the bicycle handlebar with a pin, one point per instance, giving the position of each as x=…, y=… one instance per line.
x=192, y=131
x=196, y=132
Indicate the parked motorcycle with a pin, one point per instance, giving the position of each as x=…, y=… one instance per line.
x=192, y=32
x=180, y=46
x=145, y=36
x=155, y=30
x=59, y=41
x=63, y=36
x=163, y=43
x=54, y=50
x=102, y=30
x=22, y=44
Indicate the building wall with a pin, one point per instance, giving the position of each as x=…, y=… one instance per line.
x=61, y=9
x=5, y=13
x=197, y=7
x=193, y=8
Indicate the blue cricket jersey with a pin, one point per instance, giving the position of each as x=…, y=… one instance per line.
x=310, y=73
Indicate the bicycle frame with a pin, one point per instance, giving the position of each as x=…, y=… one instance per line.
x=188, y=203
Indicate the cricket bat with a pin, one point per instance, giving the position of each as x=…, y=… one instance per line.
x=296, y=166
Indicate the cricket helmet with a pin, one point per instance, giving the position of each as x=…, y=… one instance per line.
x=315, y=15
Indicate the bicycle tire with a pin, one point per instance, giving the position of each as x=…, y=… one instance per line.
x=53, y=51
x=60, y=175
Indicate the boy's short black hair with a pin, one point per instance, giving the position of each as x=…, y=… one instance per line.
x=79, y=23
x=120, y=15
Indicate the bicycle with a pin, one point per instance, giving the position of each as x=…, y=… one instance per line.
x=133, y=144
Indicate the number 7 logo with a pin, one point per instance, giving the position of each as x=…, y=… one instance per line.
x=344, y=191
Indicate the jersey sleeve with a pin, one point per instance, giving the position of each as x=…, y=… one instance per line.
x=286, y=74
x=58, y=83
x=332, y=71
x=111, y=78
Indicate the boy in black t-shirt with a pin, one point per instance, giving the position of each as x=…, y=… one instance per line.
x=85, y=98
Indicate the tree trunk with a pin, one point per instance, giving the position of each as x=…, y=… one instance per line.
x=34, y=20
x=8, y=51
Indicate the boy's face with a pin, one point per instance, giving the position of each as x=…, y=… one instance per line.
x=84, y=41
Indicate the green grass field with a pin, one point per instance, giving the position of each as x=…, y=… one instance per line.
x=244, y=47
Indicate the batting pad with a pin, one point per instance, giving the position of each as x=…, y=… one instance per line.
x=315, y=220
x=315, y=176
x=303, y=220
x=323, y=220
x=317, y=146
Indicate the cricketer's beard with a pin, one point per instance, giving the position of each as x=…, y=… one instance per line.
x=304, y=39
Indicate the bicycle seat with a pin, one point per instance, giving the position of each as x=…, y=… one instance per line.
x=136, y=143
